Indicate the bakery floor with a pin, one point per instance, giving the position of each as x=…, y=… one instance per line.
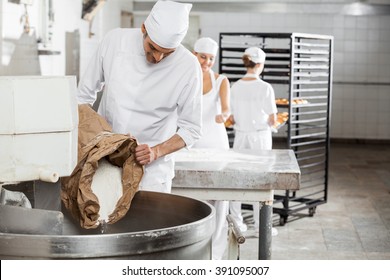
x=355, y=222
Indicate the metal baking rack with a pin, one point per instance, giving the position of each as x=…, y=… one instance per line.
x=299, y=67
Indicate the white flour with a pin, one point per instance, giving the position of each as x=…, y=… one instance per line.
x=107, y=186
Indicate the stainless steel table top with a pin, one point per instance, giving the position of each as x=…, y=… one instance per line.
x=236, y=169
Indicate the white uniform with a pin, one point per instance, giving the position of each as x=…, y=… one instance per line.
x=251, y=104
x=152, y=102
x=215, y=136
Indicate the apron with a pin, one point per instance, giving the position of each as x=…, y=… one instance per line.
x=213, y=134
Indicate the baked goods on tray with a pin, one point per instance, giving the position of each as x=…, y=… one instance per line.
x=284, y=101
x=281, y=119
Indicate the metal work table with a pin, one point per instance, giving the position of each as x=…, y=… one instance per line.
x=241, y=175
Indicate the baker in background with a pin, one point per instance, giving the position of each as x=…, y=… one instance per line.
x=216, y=110
x=152, y=89
x=253, y=114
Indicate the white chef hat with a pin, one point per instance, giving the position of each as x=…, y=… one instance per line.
x=255, y=54
x=167, y=23
x=206, y=45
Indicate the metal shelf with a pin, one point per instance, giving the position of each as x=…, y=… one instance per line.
x=299, y=66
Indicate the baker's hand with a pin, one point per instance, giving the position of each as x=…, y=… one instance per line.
x=221, y=118
x=145, y=154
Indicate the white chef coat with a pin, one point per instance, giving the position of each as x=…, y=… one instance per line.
x=214, y=134
x=152, y=102
x=251, y=104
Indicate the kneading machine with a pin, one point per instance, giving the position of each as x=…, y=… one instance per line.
x=38, y=145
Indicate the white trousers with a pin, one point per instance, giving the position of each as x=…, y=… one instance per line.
x=235, y=212
x=220, y=235
x=257, y=140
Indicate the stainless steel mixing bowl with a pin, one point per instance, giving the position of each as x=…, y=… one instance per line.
x=157, y=226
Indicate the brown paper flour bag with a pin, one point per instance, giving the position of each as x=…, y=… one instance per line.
x=97, y=142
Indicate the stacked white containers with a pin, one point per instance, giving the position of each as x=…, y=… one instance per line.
x=38, y=128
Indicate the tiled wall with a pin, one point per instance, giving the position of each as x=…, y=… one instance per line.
x=361, y=91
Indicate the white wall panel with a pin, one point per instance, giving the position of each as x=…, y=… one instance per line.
x=361, y=47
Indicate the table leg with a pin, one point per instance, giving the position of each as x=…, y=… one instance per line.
x=265, y=230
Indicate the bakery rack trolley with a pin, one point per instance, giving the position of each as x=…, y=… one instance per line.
x=299, y=67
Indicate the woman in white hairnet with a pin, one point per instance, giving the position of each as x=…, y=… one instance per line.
x=216, y=91
x=152, y=89
x=253, y=114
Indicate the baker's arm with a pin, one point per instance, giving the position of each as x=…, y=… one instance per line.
x=272, y=119
x=145, y=154
x=93, y=79
x=224, y=95
x=189, y=122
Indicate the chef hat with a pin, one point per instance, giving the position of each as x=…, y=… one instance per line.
x=167, y=23
x=255, y=54
x=206, y=45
